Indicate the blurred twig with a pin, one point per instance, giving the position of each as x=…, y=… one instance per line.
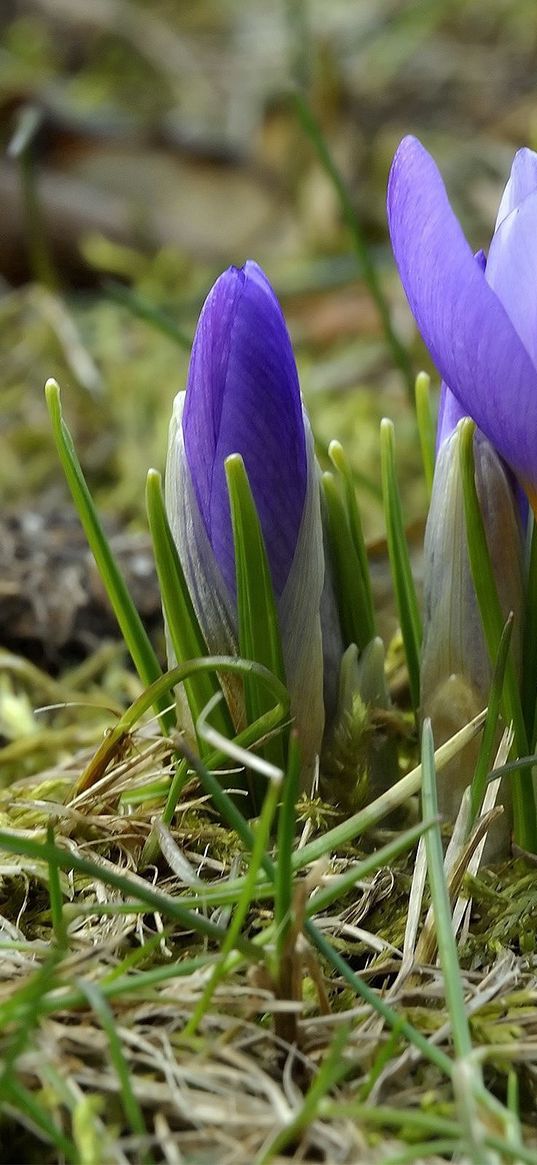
x=21, y=150
x=315, y=134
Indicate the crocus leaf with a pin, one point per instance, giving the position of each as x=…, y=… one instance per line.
x=130, y=624
x=259, y=634
x=424, y=418
x=352, y=597
x=357, y=542
x=403, y=582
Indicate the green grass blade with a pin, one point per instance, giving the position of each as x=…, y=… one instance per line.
x=490, y=731
x=403, y=582
x=261, y=839
x=426, y=428
x=130, y=624
x=283, y=886
x=447, y=948
x=382, y=857
x=117, y=736
x=234, y=819
x=337, y=456
x=352, y=594
x=26, y=1103
x=23, y=1011
x=259, y=633
x=368, y=269
x=524, y=811
x=331, y=1071
x=163, y=903
x=184, y=630
x=56, y=898
x=529, y=677
x=133, y=1112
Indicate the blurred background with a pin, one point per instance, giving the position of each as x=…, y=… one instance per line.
x=146, y=145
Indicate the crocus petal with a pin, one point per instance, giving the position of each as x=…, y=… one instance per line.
x=467, y=330
x=522, y=181
x=243, y=397
x=512, y=269
x=298, y=605
x=450, y=412
x=210, y=595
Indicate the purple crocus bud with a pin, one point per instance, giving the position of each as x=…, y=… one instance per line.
x=480, y=325
x=455, y=668
x=243, y=396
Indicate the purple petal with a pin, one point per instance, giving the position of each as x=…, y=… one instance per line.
x=243, y=397
x=512, y=269
x=467, y=330
x=450, y=412
x=522, y=181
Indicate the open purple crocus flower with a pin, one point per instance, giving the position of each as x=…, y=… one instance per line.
x=243, y=396
x=478, y=321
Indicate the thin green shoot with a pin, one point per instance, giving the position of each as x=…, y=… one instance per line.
x=130, y=624
x=339, y=460
x=283, y=884
x=117, y=736
x=56, y=897
x=529, y=673
x=260, y=846
x=490, y=731
x=424, y=418
x=235, y=820
x=257, y=616
x=403, y=582
x=447, y=948
x=331, y=1071
x=138, y=890
x=35, y=1114
x=133, y=1112
x=226, y=892
x=352, y=589
x=23, y=1010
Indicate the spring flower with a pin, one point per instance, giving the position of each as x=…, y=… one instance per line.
x=455, y=667
x=243, y=396
x=478, y=321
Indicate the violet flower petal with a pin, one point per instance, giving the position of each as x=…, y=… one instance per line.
x=243, y=397
x=450, y=411
x=522, y=181
x=467, y=330
x=512, y=269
